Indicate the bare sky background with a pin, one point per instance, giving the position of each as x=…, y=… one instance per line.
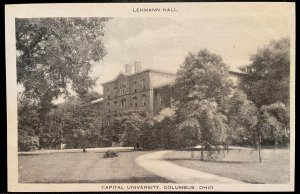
x=163, y=43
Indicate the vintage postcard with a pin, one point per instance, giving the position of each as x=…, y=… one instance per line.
x=151, y=96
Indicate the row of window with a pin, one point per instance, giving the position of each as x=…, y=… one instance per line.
x=123, y=90
x=124, y=104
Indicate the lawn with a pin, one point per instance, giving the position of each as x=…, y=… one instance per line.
x=89, y=167
x=240, y=165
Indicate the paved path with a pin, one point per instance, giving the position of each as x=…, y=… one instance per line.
x=154, y=163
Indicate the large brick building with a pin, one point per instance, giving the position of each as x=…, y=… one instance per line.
x=134, y=89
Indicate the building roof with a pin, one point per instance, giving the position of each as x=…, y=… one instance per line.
x=97, y=100
x=132, y=74
x=237, y=73
x=164, y=85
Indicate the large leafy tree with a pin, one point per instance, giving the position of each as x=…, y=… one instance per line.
x=75, y=124
x=203, y=76
x=273, y=123
x=166, y=133
x=131, y=128
x=205, y=87
x=54, y=54
x=27, y=126
x=268, y=75
x=243, y=118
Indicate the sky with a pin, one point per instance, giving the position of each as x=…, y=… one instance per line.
x=163, y=43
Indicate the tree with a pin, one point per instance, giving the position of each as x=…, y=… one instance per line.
x=54, y=54
x=148, y=137
x=203, y=76
x=85, y=126
x=130, y=128
x=202, y=122
x=27, y=125
x=166, y=134
x=274, y=123
x=268, y=75
x=243, y=118
x=75, y=124
x=205, y=86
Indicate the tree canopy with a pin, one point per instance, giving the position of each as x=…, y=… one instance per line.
x=130, y=128
x=268, y=75
x=243, y=118
x=205, y=86
x=203, y=76
x=273, y=123
x=55, y=54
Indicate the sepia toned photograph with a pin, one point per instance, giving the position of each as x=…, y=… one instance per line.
x=157, y=100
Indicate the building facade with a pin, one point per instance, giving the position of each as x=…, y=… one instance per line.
x=146, y=90
x=136, y=90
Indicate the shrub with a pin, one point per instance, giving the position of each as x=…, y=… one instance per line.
x=110, y=154
x=27, y=142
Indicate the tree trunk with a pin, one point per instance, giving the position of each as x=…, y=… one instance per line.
x=227, y=145
x=285, y=132
x=259, y=147
x=201, y=154
x=84, y=145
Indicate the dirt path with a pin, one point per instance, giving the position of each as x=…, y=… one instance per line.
x=154, y=163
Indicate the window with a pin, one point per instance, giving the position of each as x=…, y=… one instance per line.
x=115, y=105
x=108, y=120
x=115, y=91
x=134, y=87
x=108, y=95
x=135, y=104
x=159, y=99
x=123, y=104
x=144, y=100
x=123, y=90
x=108, y=106
x=143, y=84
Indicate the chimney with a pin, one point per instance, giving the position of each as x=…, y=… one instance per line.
x=128, y=68
x=137, y=66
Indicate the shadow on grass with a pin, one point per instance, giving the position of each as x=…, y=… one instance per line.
x=80, y=152
x=210, y=161
x=125, y=180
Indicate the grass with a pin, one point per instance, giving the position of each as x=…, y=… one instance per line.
x=89, y=167
x=240, y=165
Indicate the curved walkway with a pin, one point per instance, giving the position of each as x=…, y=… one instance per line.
x=154, y=163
